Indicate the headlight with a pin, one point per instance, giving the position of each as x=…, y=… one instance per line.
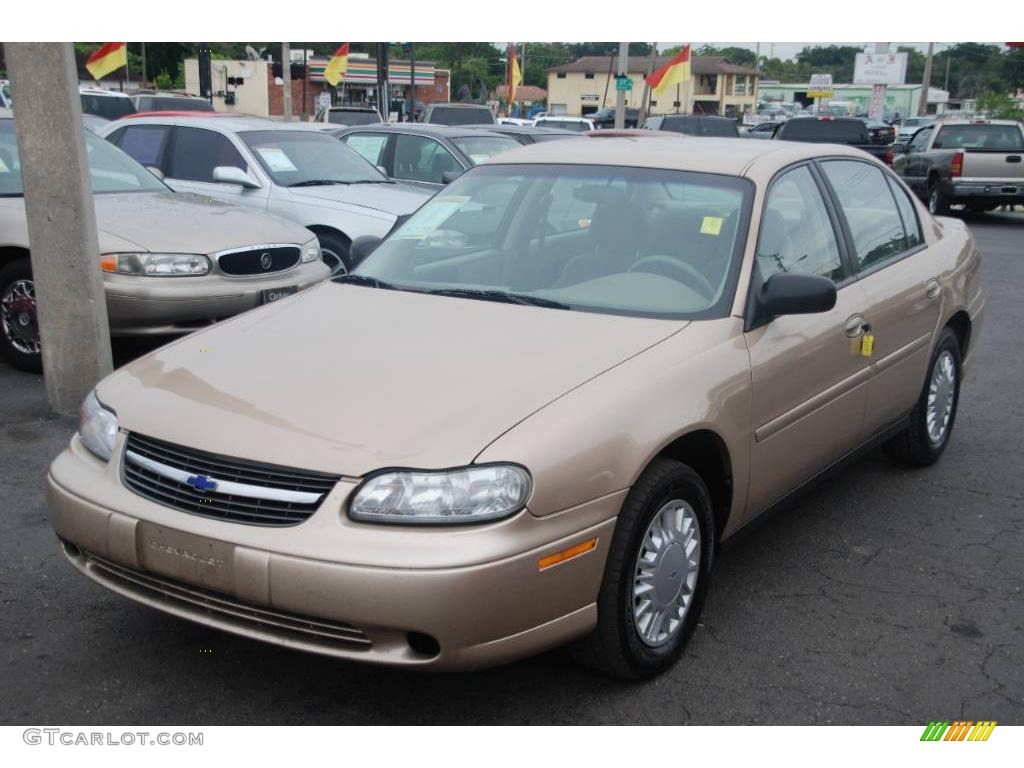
x=311, y=250
x=470, y=495
x=155, y=264
x=97, y=427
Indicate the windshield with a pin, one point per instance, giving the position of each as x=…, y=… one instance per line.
x=353, y=117
x=109, y=107
x=993, y=138
x=636, y=241
x=309, y=158
x=829, y=131
x=110, y=169
x=480, y=148
x=461, y=115
x=913, y=122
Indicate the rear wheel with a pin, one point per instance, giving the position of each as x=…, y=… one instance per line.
x=938, y=202
x=19, y=323
x=931, y=422
x=656, y=575
x=334, y=250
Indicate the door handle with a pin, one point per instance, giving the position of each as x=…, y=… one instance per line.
x=855, y=326
x=1013, y=158
x=931, y=288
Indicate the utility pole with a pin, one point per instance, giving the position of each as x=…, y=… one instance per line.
x=411, y=116
x=286, y=80
x=71, y=306
x=945, y=83
x=620, y=95
x=144, y=73
x=305, y=79
x=645, y=101
x=922, y=103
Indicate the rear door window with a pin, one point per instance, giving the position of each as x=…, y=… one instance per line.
x=144, y=143
x=197, y=151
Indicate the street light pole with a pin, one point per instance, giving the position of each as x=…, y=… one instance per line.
x=922, y=103
x=71, y=306
x=620, y=95
x=286, y=80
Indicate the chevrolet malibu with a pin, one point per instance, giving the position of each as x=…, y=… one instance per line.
x=171, y=262
x=578, y=370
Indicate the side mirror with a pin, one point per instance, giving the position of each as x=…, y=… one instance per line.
x=362, y=247
x=155, y=171
x=449, y=176
x=229, y=174
x=791, y=294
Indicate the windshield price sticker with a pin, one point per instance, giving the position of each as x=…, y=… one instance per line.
x=436, y=213
x=276, y=159
x=712, y=225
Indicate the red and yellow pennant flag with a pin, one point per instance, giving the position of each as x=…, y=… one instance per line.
x=515, y=75
x=676, y=71
x=106, y=59
x=336, y=68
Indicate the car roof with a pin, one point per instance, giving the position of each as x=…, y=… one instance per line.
x=424, y=129
x=758, y=160
x=217, y=121
x=94, y=91
x=527, y=129
x=458, y=105
x=346, y=108
x=695, y=114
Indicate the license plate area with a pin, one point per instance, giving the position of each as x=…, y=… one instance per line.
x=185, y=557
x=270, y=295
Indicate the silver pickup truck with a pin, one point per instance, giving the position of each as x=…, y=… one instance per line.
x=975, y=163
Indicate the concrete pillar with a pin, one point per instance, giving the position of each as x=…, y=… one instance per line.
x=70, y=301
x=620, y=96
x=286, y=79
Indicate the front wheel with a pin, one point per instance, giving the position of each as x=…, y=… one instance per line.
x=926, y=436
x=334, y=250
x=656, y=575
x=19, y=322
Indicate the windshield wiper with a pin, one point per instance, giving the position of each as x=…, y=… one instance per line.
x=372, y=181
x=317, y=182
x=494, y=295
x=371, y=282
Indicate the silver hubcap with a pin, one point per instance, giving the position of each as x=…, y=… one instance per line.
x=933, y=202
x=333, y=260
x=941, y=396
x=18, y=317
x=665, y=575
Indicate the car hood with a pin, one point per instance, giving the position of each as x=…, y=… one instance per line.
x=396, y=199
x=348, y=379
x=180, y=222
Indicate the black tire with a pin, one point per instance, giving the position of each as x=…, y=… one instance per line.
x=938, y=202
x=615, y=646
x=11, y=273
x=335, y=252
x=914, y=445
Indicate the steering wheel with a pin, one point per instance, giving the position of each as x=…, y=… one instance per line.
x=659, y=265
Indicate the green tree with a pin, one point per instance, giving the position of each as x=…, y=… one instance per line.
x=999, y=106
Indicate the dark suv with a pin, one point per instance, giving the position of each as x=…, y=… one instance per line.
x=605, y=118
x=694, y=125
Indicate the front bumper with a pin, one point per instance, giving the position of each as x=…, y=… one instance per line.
x=141, y=306
x=475, y=591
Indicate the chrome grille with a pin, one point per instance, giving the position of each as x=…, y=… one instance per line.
x=220, y=487
x=198, y=602
x=259, y=261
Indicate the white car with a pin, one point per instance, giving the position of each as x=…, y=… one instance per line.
x=109, y=105
x=566, y=122
x=291, y=169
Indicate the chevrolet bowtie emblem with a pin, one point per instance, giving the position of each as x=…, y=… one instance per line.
x=202, y=483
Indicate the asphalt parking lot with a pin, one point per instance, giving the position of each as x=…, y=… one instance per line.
x=886, y=596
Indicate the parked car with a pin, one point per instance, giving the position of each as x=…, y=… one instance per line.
x=576, y=372
x=348, y=115
x=879, y=132
x=528, y=134
x=694, y=125
x=428, y=156
x=605, y=118
x=565, y=122
x=110, y=105
x=850, y=131
x=908, y=126
x=976, y=163
x=6, y=100
x=450, y=113
x=291, y=169
x=760, y=131
x=171, y=262
x=170, y=101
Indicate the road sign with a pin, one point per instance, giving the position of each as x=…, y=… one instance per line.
x=821, y=87
x=623, y=83
x=880, y=69
x=877, y=109
x=324, y=101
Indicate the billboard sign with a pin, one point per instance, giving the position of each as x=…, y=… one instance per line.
x=821, y=87
x=880, y=69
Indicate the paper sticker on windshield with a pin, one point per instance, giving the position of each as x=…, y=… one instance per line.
x=3, y=166
x=276, y=159
x=431, y=216
x=712, y=225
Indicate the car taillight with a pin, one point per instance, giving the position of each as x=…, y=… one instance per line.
x=957, y=164
x=889, y=155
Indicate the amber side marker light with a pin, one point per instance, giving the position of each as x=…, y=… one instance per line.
x=566, y=554
x=108, y=263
